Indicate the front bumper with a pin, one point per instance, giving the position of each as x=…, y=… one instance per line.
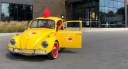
x=27, y=51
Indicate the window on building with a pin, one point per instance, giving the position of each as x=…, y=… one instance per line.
x=5, y=11
x=112, y=15
x=16, y=12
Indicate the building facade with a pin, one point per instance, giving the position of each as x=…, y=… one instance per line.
x=16, y=10
x=57, y=7
x=93, y=13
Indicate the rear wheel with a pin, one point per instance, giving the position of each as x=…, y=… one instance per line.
x=55, y=51
x=61, y=49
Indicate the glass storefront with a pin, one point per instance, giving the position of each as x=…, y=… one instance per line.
x=112, y=13
x=99, y=13
x=5, y=11
x=16, y=12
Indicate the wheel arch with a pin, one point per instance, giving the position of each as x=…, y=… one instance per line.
x=51, y=42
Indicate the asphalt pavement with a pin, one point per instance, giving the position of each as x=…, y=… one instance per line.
x=100, y=50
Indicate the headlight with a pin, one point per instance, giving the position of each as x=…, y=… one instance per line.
x=45, y=44
x=12, y=41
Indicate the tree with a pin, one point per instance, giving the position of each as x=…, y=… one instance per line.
x=120, y=11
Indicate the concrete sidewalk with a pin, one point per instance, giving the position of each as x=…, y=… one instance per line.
x=103, y=29
x=84, y=30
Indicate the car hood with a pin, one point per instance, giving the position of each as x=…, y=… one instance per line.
x=30, y=38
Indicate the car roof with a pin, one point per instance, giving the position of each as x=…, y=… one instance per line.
x=51, y=18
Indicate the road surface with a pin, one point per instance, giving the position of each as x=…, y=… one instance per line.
x=101, y=50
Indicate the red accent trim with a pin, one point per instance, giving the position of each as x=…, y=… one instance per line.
x=55, y=50
x=69, y=38
x=33, y=33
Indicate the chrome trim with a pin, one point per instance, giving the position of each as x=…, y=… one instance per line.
x=19, y=51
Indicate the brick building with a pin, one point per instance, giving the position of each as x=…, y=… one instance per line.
x=93, y=13
x=57, y=7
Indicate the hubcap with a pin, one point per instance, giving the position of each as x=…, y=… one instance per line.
x=55, y=50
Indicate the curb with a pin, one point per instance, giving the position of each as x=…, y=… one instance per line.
x=103, y=29
x=84, y=30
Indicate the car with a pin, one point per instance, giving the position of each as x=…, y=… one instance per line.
x=47, y=36
x=120, y=24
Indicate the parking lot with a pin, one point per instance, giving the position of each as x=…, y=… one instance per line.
x=100, y=50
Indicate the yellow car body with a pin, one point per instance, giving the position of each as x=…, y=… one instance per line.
x=40, y=39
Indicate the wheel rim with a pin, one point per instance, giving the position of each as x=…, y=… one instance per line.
x=55, y=50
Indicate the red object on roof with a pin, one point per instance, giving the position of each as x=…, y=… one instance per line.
x=46, y=13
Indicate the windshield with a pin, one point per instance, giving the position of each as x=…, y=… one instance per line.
x=42, y=23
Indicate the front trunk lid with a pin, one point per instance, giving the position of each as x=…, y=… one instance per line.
x=30, y=38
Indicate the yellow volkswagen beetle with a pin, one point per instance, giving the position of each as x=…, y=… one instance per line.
x=46, y=36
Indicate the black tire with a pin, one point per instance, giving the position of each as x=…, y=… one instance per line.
x=61, y=49
x=14, y=54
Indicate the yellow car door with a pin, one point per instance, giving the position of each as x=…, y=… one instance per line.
x=71, y=36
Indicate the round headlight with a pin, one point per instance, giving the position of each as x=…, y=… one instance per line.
x=45, y=44
x=12, y=41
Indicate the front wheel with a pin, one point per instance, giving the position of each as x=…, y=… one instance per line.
x=55, y=51
x=14, y=54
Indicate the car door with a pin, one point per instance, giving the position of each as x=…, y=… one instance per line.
x=71, y=36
